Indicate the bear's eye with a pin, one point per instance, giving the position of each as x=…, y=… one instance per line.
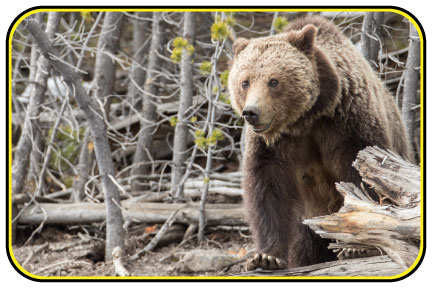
x=245, y=84
x=273, y=83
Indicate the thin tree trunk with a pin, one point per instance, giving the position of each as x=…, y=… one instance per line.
x=144, y=149
x=114, y=220
x=20, y=165
x=186, y=93
x=371, y=35
x=365, y=35
x=411, y=82
x=109, y=43
x=140, y=48
x=375, y=44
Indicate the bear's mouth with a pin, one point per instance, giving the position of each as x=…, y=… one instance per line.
x=261, y=128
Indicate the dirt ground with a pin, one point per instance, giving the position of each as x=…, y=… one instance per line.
x=79, y=251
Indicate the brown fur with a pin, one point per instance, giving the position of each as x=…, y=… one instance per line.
x=328, y=105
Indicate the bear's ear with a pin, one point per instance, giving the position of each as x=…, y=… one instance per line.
x=239, y=45
x=303, y=39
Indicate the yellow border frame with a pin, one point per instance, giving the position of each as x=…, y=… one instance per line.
x=185, y=9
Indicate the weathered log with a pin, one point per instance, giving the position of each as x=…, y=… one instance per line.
x=370, y=266
x=392, y=229
x=86, y=213
x=391, y=176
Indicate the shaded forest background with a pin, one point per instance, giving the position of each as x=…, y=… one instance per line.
x=131, y=110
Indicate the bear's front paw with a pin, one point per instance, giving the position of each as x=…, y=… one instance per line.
x=265, y=262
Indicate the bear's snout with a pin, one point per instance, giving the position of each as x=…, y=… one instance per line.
x=251, y=114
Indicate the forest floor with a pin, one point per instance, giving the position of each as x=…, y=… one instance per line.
x=79, y=251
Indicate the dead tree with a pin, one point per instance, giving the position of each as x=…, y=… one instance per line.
x=186, y=93
x=108, y=45
x=93, y=113
x=143, y=153
x=140, y=47
x=411, y=82
x=25, y=143
x=105, y=67
x=371, y=36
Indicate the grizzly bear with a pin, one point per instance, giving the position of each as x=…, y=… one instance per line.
x=311, y=102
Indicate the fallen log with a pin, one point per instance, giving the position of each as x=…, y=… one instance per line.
x=87, y=213
x=393, y=225
x=370, y=266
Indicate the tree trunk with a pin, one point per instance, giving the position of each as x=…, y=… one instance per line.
x=186, y=93
x=365, y=35
x=411, y=83
x=144, y=153
x=105, y=68
x=114, y=220
x=140, y=48
x=21, y=159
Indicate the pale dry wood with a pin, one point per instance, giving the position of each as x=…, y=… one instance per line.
x=87, y=213
x=390, y=176
x=180, y=145
x=370, y=266
x=117, y=256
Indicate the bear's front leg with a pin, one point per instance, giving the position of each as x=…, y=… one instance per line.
x=272, y=201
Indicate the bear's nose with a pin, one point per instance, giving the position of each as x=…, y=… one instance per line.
x=251, y=114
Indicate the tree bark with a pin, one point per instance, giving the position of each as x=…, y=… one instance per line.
x=144, y=150
x=88, y=213
x=412, y=76
x=105, y=68
x=186, y=93
x=114, y=220
x=371, y=266
x=20, y=164
x=140, y=49
x=365, y=35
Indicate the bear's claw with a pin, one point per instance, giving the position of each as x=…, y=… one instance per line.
x=265, y=262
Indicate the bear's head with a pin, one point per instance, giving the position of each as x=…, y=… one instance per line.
x=274, y=80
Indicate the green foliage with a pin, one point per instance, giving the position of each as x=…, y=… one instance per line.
x=224, y=78
x=199, y=133
x=86, y=15
x=205, y=68
x=219, y=30
x=193, y=119
x=179, y=44
x=206, y=180
x=67, y=142
x=230, y=21
x=218, y=135
x=201, y=142
x=223, y=97
x=173, y=121
x=280, y=23
x=176, y=55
